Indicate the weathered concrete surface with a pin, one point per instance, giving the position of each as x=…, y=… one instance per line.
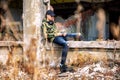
x=11, y=43
x=89, y=45
x=33, y=16
x=80, y=56
x=95, y=44
x=4, y=53
x=76, y=52
x=83, y=51
x=34, y=12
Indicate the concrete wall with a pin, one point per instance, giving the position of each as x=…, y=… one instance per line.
x=17, y=52
x=79, y=56
x=75, y=56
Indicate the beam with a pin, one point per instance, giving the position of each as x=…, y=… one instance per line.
x=75, y=44
x=95, y=44
x=32, y=20
x=11, y=43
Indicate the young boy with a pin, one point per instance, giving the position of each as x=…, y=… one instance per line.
x=53, y=35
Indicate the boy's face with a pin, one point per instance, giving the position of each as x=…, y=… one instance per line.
x=50, y=18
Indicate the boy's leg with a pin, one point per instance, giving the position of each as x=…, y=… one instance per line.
x=61, y=41
x=77, y=36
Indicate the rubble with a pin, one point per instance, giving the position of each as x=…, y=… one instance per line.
x=95, y=71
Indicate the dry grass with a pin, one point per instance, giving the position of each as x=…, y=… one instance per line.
x=92, y=68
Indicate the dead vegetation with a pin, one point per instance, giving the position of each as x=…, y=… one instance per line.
x=84, y=58
x=86, y=66
x=95, y=71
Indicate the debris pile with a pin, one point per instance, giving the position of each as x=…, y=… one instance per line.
x=95, y=71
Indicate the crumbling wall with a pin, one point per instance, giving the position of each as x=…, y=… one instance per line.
x=33, y=11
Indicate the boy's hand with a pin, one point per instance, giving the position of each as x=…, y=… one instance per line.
x=61, y=34
x=58, y=34
x=64, y=34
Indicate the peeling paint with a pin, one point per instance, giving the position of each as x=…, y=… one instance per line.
x=33, y=3
x=37, y=19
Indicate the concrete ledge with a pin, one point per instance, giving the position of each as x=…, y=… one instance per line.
x=106, y=45
x=75, y=44
x=10, y=43
x=95, y=44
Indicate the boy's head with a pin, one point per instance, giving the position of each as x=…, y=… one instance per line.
x=50, y=15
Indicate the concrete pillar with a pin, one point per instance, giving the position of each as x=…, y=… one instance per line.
x=33, y=13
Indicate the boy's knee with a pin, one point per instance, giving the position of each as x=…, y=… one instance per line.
x=79, y=36
x=65, y=44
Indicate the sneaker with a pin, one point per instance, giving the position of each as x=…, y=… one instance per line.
x=64, y=68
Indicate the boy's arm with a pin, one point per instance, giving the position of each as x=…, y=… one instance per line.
x=44, y=29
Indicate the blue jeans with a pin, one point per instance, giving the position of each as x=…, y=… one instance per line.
x=62, y=41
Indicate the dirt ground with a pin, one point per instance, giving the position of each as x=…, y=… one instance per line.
x=94, y=71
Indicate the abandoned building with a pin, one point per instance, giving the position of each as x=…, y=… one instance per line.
x=20, y=27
